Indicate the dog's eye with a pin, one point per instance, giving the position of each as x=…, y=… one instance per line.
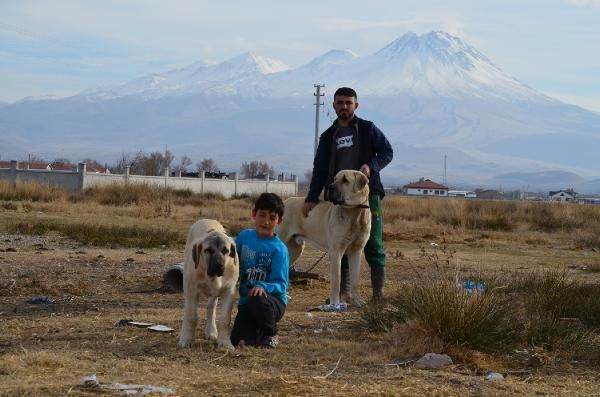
x=209, y=250
x=224, y=251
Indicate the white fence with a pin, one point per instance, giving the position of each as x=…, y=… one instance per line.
x=81, y=179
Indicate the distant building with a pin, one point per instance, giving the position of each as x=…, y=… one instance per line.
x=35, y=166
x=490, y=194
x=462, y=193
x=425, y=187
x=588, y=200
x=563, y=196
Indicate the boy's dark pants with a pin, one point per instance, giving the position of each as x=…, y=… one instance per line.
x=257, y=319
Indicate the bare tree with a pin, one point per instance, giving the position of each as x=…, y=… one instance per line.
x=208, y=165
x=257, y=169
x=154, y=163
x=121, y=164
x=184, y=163
x=32, y=158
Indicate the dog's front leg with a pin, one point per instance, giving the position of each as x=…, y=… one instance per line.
x=190, y=316
x=335, y=269
x=354, y=264
x=224, y=340
x=210, y=331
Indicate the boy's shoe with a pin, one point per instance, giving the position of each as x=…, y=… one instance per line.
x=269, y=342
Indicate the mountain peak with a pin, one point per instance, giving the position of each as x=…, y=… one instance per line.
x=250, y=62
x=332, y=57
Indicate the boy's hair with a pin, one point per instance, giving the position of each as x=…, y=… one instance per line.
x=345, y=91
x=269, y=202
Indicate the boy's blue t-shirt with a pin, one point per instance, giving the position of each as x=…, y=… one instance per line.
x=264, y=262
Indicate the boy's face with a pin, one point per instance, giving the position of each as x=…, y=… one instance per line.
x=265, y=222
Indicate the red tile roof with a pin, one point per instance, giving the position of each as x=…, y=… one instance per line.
x=425, y=184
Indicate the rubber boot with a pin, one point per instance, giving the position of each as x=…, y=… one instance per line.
x=377, y=281
x=344, y=280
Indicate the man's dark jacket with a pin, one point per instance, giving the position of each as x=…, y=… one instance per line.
x=374, y=150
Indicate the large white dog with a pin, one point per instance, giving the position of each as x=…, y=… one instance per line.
x=339, y=226
x=211, y=269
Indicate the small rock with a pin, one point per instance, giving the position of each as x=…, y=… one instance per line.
x=89, y=381
x=10, y=249
x=41, y=300
x=433, y=360
x=122, y=322
x=494, y=376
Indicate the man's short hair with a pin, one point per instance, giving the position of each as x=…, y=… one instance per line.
x=269, y=202
x=346, y=91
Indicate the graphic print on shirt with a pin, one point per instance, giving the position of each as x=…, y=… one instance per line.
x=344, y=141
x=260, y=262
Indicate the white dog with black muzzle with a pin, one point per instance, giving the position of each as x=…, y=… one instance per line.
x=340, y=226
x=211, y=269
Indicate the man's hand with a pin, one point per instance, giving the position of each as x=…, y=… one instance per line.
x=365, y=169
x=257, y=291
x=307, y=208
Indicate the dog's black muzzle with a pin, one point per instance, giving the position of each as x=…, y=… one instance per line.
x=333, y=194
x=216, y=266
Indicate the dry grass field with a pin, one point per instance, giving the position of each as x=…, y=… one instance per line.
x=100, y=255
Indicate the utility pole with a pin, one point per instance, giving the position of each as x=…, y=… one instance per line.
x=318, y=103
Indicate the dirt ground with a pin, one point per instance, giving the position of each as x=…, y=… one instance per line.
x=45, y=349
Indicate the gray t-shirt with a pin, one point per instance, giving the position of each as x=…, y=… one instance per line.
x=346, y=149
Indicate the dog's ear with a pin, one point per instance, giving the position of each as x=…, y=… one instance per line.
x=361, y=181
x=196, y=252
x=232, y=250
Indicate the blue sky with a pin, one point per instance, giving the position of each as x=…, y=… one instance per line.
x=62, y=47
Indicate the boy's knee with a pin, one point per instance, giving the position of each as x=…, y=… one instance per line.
x=255, y=302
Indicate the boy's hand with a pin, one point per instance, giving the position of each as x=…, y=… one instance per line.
x=257, y=291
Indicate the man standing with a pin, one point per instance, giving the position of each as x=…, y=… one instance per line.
x=357, y=144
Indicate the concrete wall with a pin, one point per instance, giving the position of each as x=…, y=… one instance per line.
x=81, y=179
x=71, y=181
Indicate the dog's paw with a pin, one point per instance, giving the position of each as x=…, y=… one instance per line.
x=185, y=342
x=358, y=301
x=225, y=345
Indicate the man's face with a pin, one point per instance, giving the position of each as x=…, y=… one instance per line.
x=344, y=106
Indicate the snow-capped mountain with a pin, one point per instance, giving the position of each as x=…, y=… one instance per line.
x=433, y=95
x=434, y=64
x=197, y=77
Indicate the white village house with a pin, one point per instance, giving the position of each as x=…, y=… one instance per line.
x=425, y=187
x=563, y=196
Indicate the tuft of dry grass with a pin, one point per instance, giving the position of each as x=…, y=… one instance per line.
x=31, y=191
x=103, y=235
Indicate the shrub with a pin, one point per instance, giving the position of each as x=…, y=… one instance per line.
x=31, y=191
x=482, y=321
x=540, y=309
x=103, y=235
